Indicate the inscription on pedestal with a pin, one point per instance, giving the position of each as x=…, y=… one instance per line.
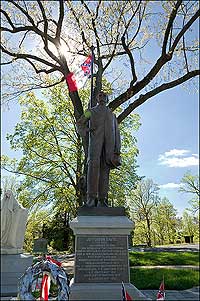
x=101, y=259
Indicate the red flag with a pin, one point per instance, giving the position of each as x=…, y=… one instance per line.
x=161, y=292
x=77, y=79
x=128, y=297
x=125, y=295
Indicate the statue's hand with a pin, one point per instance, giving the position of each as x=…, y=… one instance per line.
x=81, y=126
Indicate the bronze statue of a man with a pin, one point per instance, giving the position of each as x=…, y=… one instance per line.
x=103, y=150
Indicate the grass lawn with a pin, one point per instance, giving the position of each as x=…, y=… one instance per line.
x=174, y=279
x=163, y=258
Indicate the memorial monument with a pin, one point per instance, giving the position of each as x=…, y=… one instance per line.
x=13, y=261
x=101, y=232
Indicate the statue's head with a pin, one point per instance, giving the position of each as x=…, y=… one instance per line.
x=102, y=98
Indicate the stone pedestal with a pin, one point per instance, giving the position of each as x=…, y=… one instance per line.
x=101, y=255
x=13, y=267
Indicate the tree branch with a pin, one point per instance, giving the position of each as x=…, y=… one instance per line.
x=42, y=70
x=27, y=174
x=155, y=91
x=7, y=17
x=169, y=25
x=30, y=19
x=45, y=21
x=29, y=56
x=61, y=156
x=97, y=9
x=183, y=30
x=140, y=23
x=86, y=7
x=60, y=20
x=134, y=77
x=184, y=51
x=78, y=23
x=116, y=40
x=140, y=84
x=6, y=63
x=19, y=93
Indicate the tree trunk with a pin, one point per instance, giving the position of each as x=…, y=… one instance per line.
x=149, y=243
x=66, y=232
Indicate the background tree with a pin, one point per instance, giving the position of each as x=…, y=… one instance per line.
x=142, y=201
x=35, y=226
x=191, y=185
x=165, y=222
x=45, y=38
x=52, y=152
x=9, y=183
x=190, y=225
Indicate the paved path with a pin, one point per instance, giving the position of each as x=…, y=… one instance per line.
x=184, y=267
x=173, y=248
x=188, y=295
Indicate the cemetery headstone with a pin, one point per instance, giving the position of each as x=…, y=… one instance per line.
x=40, y=246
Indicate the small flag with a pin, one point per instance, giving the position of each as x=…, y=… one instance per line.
x=77, y=79
x=125, y=295
x=161, y=292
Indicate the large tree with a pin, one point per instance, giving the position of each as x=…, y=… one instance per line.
x=45, y=38
x=190, y=225
x=142, y=202
x=165, y=222
x=191, y=185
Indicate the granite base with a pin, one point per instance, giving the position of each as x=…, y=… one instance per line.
x=103, y=291
x=13, y=266
x=101, y=255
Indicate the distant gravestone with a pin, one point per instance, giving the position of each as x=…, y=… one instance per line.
x=40, y=246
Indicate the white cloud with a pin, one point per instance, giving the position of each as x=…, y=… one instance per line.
x=176, y=152
x=178, y=158
x=170, y=186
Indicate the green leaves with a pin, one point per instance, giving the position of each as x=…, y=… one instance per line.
x=191, y=185
x=50, y=144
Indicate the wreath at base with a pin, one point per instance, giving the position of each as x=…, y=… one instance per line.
x=49, y=268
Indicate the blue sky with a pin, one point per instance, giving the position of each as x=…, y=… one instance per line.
x=168, y=141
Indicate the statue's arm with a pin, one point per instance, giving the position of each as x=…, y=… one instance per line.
x=82, y=124
x=117, y=149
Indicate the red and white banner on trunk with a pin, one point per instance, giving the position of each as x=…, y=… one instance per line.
x=77, y=79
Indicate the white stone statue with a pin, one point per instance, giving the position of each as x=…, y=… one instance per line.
x=13, y=224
